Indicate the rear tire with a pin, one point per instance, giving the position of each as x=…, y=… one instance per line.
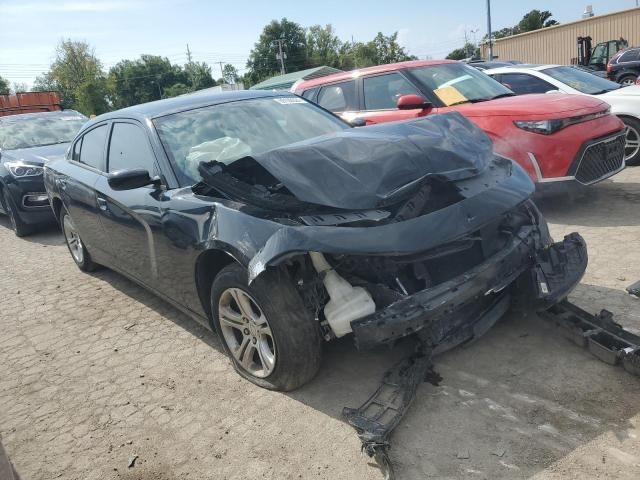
x=19, y=227
x=632, y=145
x=76, y=247
x=627, y=80
x=265, y=328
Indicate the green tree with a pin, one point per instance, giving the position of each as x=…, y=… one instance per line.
x=503, y=32
x=143, y=80
x=263, y=62
x=76, y=74
x=230, y=74
x=19, y=87
x=4, y=86
x=535, y=20
x=91, y=97
x=199, y=75
x=381, y=50
x=176, y=89
x=469, y=50
x=323, y=46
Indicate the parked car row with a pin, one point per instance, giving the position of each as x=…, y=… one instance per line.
x=278, y=224
x=625, y=102
x=561, y=141
x=27, y=141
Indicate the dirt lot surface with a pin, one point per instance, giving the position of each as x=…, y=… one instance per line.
x=95, y=371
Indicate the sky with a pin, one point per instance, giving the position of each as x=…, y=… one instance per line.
x=225, y=31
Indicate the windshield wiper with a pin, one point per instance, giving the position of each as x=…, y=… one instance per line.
x=486, y=99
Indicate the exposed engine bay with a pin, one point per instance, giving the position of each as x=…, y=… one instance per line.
x=391, y=228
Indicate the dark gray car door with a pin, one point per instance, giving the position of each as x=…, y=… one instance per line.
x=131, y=218
x=86, y=166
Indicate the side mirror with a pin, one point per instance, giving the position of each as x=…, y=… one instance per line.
x=357, y=122
x=412, y=102
x=130, y=179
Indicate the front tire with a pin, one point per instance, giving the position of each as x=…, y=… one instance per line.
x=632, y=140
x=76, y=247
x=265, y=328
x=19, y=227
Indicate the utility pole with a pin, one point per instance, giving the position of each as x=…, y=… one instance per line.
x=280, y=55
x=222, y=72
x=466, y=44
x=489, y=30
x=190, y=70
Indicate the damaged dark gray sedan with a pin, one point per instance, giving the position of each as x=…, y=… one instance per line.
x=271, y=221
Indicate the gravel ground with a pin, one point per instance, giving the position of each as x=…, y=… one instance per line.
x=95, y=372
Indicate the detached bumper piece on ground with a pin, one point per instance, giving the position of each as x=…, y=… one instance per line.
x=376, y=419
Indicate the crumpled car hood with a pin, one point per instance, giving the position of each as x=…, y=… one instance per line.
x=363, y=168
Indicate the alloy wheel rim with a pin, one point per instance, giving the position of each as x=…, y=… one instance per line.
x=626, y=83
x=632, y=143
x=246, y=332
x=73, y=239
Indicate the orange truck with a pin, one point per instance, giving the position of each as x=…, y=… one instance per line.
x=29, y=102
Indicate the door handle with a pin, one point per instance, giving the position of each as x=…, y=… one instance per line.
x=102, y=204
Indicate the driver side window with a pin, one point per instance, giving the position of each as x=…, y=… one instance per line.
x=129, y=148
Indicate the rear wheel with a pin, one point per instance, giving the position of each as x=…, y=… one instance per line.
x=19, y=227
x=627, y=80
x=76, y=247
x=632, y=141
x=265, y=328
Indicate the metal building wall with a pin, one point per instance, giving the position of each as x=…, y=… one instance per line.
x=558, y=44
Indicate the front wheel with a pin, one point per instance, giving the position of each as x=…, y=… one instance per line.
x=75, y=245
x=265, y=328
x=19, y=227
x=632, y=141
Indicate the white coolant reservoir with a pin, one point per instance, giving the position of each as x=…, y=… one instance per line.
x=346, y=301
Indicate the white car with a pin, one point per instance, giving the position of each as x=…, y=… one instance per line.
x=624, y=101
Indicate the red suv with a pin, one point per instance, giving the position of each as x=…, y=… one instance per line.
x=554, y=137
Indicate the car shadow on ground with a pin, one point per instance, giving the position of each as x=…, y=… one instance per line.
x=522, y=389
x=159, y=305
x=48, y=235
x=604, y=205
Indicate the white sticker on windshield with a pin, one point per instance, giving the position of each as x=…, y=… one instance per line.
x=66, y=119
x=288, y=100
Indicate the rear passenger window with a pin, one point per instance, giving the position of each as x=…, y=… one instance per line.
x=92, y=150
x=381, y=92
x=522, y=83
x=630, y=56
x=129, y=148
x=310, y=94
x=339, y=97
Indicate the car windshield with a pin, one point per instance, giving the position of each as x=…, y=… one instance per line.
x=582, y=81
x=455, y=83
x=38, y=130
x=230, y=131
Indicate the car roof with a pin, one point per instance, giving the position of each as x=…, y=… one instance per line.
x=390, y=67
x=27, y=116
x=181, y=103
x=522, y=67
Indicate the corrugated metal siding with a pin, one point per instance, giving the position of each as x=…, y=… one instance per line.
x=29, y=102
x=558, y=44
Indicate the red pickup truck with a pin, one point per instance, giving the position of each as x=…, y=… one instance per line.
x=29, y=102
